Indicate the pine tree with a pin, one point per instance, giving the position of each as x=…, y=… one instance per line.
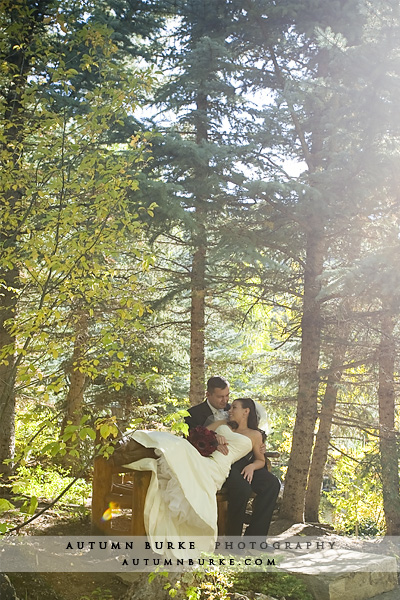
x=198, y=154
x=307, y=112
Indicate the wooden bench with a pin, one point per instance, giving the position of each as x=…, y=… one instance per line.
x=116, y=489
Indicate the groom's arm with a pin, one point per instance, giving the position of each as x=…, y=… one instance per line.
x=198, y=415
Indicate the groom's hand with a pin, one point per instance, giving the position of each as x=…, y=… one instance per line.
x=222, y=444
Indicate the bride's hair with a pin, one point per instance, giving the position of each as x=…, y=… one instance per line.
x=252, y=419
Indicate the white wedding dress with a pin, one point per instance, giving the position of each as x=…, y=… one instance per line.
x=181, y=500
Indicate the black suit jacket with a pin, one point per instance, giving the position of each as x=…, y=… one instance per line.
x=199, y=414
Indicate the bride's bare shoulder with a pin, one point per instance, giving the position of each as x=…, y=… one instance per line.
x=255, y=435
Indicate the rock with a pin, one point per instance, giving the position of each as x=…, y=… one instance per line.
x=288, y=528
x=337, y=574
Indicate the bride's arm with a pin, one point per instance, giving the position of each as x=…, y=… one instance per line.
x=259, y=458
x=222, y=443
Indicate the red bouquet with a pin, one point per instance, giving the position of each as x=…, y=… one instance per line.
x=203, y=439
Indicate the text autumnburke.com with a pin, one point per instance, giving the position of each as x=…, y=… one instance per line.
x=215, y=562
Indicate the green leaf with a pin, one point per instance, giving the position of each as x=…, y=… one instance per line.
x=107, y=430
x=3, y=528
x=5, y=505
x=30, y=506
x=87, y=432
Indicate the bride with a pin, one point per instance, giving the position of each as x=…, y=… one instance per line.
x=181, y=499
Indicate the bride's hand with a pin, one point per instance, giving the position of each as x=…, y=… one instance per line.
x=248, y=472
x=222, y=444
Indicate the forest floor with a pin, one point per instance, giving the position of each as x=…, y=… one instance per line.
x=65, y=586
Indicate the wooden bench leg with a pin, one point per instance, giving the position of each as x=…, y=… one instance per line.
x=222, y=508
x=102, y=485
x=141, y=482
x=102, y=482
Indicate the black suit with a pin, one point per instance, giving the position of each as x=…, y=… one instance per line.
x=198, y=415
x=264, y=484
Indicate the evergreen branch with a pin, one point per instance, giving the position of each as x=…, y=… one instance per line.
x=293, y=114
x=166, y=324
x=352, y=422
x=289, y=337
x=348, y=366
x=344, y=453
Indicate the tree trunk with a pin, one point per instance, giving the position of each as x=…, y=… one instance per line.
x=294, y=493
x=74, y=400
x=197, y=325
x=8, y=300
x=320, y=452
x=17, y=65
x=198, y=273
x=387, y=434
x=75, y=397
x=303, y=434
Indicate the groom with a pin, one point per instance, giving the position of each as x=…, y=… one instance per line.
x=265, y=485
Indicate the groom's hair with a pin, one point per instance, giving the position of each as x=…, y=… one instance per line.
x=216, y=382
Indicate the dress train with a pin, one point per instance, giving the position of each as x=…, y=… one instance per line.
x=181, y=499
